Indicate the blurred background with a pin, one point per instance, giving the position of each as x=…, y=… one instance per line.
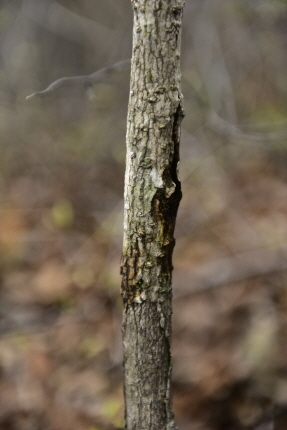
x=61, y=190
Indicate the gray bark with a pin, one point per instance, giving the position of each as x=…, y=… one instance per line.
x=152, y=196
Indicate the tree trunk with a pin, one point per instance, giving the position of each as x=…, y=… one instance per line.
x=152, y=196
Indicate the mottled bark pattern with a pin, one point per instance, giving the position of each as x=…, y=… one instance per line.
x=152, y=196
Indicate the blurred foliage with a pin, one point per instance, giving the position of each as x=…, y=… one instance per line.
x=62, y=163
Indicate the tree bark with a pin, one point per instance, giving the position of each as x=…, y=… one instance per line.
x=152, y=196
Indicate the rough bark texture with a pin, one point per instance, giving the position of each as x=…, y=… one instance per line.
x=152, y=196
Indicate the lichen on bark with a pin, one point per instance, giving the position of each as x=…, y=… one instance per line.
x=152, y=196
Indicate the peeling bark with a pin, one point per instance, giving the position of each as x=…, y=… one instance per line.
x=152, y=196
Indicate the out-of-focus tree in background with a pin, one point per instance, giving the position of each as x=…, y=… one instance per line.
x=61, y=191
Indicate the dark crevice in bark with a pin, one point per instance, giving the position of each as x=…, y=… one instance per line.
x=178, y=117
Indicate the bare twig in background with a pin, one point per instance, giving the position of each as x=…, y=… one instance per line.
x=203, y=278
x=226, y=129
x=212, y=65
x=228, y=270
x=85, y=81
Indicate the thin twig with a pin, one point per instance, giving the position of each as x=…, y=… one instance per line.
x=225, y=129
x=85, y=81
x=240, y=267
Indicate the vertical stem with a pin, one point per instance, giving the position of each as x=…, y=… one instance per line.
x=152, y=196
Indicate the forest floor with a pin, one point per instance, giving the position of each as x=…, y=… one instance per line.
x=60, y=308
